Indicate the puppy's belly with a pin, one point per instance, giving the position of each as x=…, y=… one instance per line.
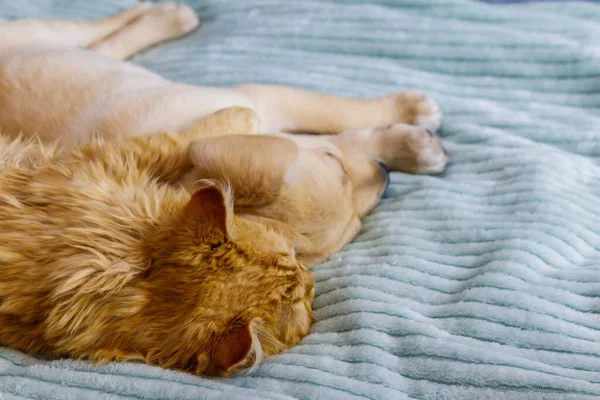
x=72, y=94
x=169, y=107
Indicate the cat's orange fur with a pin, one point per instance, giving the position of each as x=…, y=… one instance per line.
x=103, y=256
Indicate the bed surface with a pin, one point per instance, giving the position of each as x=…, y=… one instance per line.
x=481, y=283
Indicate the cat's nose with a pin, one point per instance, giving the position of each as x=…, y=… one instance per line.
x=309, y=281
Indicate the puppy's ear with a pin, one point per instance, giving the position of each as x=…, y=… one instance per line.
x=255, y=166
x=208, y=215
x=233, y=349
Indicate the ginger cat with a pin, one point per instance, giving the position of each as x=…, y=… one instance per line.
x=103, y=256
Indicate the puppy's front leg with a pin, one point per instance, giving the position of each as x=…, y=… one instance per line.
x=401, y=147
x=286, y=109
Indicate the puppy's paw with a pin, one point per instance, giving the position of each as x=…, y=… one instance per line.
x=414, y=108
x=410, y=148
x=175, y=18
x=238, y=120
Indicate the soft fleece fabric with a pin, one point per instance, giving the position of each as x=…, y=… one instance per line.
x=482, y=283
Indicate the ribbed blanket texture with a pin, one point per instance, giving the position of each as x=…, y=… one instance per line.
x=481, y=283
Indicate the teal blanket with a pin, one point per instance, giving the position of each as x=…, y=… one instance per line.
x=483, y=283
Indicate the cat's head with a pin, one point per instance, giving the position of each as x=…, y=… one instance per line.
x=223, y=292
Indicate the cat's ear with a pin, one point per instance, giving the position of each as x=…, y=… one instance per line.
x=255, y=165
x=233, y=349
x=208, y=215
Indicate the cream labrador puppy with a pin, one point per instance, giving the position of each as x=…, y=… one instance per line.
x=318, y=166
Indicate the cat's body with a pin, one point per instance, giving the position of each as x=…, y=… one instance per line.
x=73, y=226
x=108, y=248
x=95, y=259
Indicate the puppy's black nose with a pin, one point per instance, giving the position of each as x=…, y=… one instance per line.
x=386, y=172
x=383, y=167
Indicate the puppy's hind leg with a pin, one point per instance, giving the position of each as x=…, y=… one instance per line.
x=286, y=109
x=164, y=22
x=25, y=33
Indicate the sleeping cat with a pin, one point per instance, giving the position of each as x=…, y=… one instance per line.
x=105, y=257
